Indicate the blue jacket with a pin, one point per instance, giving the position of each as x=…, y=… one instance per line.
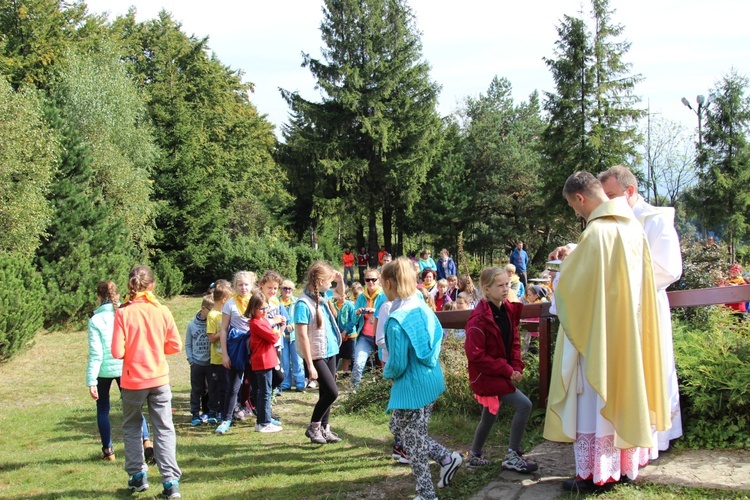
x=101, y=362
x=443, y=273
x=413, y=338
x=519, y=259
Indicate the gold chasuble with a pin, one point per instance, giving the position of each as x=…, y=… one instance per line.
x=606, y=302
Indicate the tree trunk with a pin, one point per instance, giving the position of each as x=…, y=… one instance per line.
x=372, y=236
x=387, y=228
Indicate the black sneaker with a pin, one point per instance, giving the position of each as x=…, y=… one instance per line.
x=171, y=489
x=138, y=482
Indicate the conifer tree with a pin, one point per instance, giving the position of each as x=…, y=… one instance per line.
x=593, y=111
x=724, y=194
x=377, y=123
x=84, y=243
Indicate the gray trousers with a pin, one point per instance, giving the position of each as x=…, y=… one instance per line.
x=159, y=401
x=523, y=409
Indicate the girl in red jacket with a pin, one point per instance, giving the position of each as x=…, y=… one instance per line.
x=263, y=359
x=493, y=350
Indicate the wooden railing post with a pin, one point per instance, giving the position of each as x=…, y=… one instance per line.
x=545, y=359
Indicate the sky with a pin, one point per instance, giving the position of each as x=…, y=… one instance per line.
x=680, y=47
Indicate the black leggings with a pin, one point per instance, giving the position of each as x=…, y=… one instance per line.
x=327, y=389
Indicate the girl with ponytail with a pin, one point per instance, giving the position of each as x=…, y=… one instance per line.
x=144, y=332
x=318, y=341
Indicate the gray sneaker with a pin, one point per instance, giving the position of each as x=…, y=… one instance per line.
x=515, y=462
x=330, y=436
x=315, y=434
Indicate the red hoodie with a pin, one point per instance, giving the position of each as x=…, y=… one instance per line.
x=489, y=365
x=262, y=338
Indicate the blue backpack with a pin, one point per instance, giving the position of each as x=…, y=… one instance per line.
x=237, y=349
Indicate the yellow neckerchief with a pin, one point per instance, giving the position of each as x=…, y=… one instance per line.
x=287, y=303
x=149, y=296
x=241, y=302
x=273, y=301
x=371, y=298
x=430, y=287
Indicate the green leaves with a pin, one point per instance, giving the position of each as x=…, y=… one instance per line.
x=28, y=161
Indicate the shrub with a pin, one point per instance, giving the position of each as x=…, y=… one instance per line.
x=457, y=399
x=168, y=277
x=305, y=256
x=703, y=267
x=257, y=254
x=22, y=302
x=713, y=367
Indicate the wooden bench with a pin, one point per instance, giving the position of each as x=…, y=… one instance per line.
x=680, y=298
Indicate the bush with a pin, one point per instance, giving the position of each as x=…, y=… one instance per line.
x=703, y=267
x=457, y=399
x=22, y=302
x=305, y=256
x=257, y=254
x=713, y=367
x=168, y=277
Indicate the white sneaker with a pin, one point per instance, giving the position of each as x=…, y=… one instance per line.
x=447, y=471
x=313, y=384
x=267, y=428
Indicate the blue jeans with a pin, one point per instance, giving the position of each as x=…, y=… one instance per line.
x=263, y=379
x=291, y=362
x=365, y=346
x=349, y=271
x=102, y=412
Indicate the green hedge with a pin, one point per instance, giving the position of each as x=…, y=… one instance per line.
x=22, y=304
x=713, y=368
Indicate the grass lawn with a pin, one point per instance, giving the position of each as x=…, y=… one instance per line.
x=49, y=443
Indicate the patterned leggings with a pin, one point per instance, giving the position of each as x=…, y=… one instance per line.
x=411, y=427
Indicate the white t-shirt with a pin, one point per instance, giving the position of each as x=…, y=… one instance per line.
x=236, y=319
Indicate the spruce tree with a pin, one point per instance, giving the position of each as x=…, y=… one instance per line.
x=377, y=123
x=84, y=243
x=723, y=193
x=593, y=111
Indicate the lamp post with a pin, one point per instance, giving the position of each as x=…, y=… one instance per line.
x=702, y=105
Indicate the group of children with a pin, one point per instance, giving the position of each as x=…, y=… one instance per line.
x=244, y=331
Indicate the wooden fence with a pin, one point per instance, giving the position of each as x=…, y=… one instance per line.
x=681, y=298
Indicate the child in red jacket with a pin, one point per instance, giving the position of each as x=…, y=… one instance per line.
x=263, y=359
x=493, y=351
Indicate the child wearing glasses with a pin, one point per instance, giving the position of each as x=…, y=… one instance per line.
x=263, y=359
x=365, y=307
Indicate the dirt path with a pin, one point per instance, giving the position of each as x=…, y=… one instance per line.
x=721, y=470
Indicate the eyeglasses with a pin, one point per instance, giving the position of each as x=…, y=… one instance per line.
x=286, y=289
x=371, y=280
x=263, y=308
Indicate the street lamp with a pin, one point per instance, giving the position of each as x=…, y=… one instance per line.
x=702, y=105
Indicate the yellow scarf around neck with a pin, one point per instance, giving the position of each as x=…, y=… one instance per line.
x=241, y=302
x=371, y=298
x=149, y=296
